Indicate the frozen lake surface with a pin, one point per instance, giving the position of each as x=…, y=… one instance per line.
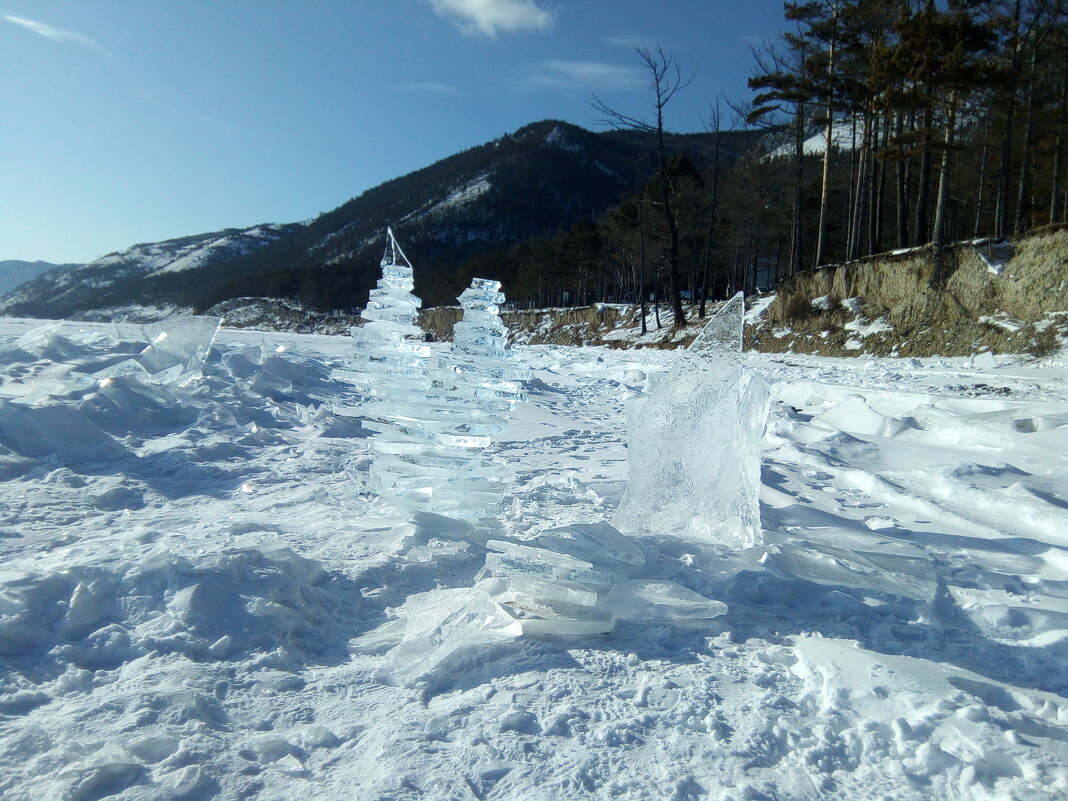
x=194, y=566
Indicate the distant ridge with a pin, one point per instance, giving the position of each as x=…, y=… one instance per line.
x=14, y=272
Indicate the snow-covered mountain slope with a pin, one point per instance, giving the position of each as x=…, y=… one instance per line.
x=14, y=272
x=132, y=276
x=189, y=558
x=843, y=136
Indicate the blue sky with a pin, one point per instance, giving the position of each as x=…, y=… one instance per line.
x=136, y=121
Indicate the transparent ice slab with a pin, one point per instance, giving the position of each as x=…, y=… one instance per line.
x=693, y=443
x=445, y=632
x=507, y=558
x=598, y=543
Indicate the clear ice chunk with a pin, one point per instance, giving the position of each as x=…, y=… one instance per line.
x=507, y=558
x=693, y=443
x=593, y=542
x=444, y=632
x=540, y=618
x=523, y=588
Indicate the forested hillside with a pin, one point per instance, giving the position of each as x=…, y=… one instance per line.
x=520, y=189
x=947, y=122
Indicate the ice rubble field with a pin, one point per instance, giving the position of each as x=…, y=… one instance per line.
x=190, y=564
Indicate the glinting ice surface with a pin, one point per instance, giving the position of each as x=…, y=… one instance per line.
x=434, y=410
x=693, y=443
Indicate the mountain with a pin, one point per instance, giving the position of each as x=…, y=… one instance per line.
x=14, y=272
x=533, y=183
x=128, y=278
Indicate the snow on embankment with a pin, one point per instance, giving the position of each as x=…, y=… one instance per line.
x=1002, y=297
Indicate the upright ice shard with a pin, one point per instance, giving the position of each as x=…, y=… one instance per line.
x=434, y=410
x=693, y=443
x=179, y=343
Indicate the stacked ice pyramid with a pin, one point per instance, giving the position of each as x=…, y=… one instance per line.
x=434, y=411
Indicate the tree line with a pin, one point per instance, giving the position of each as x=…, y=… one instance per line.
x=947, y=121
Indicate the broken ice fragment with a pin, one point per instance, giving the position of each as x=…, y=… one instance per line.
x=660, y=601
x=593, y=542
x=507, y=557
x=559, y=618
x=444, y=630
x=519, y=585
x=183, y=342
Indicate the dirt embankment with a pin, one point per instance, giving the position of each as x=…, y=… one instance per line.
x=994, y=295
x=584, y=325
x=998, y=296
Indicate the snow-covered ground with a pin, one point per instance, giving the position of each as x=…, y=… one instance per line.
x=188, y=562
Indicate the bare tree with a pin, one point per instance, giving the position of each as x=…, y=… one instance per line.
x=715, y=123
x=666, y=82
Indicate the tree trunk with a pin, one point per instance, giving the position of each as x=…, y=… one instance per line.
x=1023, y=195
x=923, y=191
x=879, y=195
x=796, y=234
x=828, y=149
x=902, y=192
x=861, y=194
x=1058, y=148
x=1001, y=214
x=673, y=227
x=656, y=299
x=981, y=188
x=641, y=259
x=851, y=200
x=940, y=238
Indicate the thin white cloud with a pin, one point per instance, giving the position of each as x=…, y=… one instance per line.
x=431, y=88
x=58, y=34
x=126, y=76
x=491, y=17
x=594, y=76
